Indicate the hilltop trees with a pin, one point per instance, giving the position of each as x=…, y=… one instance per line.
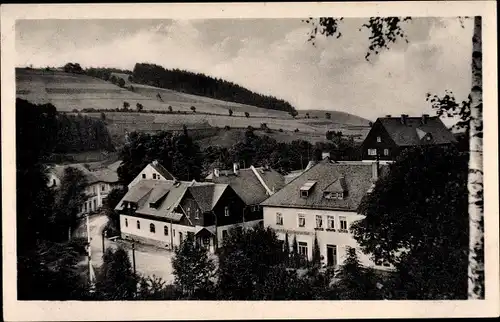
x=139, y=107
x=121, y=82
x=192, y=108
x=74, y=68
x=200, y=84
x=328, y=115
x=247, y=114
x=430, y=250
x=230, y=111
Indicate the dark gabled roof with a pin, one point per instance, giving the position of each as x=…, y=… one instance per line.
x=167, y=195
x=248, y=186
x=353, y=177
x=414, y=130
x=162, y=171
x=207, y=195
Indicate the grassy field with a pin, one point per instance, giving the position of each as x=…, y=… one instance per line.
x=70, y=91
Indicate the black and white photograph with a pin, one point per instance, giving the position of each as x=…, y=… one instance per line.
x=334, y=154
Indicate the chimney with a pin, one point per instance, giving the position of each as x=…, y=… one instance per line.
x=325, y=155
x=425, y=117
x=155, y=162
x=236, y=167
x=216, y=172
x=403, y=118
x=375, y=170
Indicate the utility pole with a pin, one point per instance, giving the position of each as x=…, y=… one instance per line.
x=103, y=246
x=133, y=256
x=89, y=249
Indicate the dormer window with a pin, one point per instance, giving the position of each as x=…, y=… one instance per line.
x=306, y=189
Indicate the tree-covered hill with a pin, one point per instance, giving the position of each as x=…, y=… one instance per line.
x=200, y=84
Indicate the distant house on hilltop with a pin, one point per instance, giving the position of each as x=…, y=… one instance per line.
x=390, y=135
x=101, y=181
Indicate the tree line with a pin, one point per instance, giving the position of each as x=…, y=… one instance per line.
x=200, y=84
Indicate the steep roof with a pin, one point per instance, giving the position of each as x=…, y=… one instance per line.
x=354, y=178
x=414, y=130
x=162, y=171
x=248, y=186
x=106, y=174
x=167, y=196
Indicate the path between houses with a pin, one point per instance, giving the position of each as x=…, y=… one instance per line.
x=149, y=260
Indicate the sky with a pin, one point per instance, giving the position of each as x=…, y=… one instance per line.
x=272, y=57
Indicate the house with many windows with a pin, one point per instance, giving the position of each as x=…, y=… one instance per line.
x=391, y=135
x=100, y=181
x=253, y=185
x=322, y=202
x=164, y=212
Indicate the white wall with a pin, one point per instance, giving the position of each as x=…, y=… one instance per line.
x=158, y=235
x=307, y=233
x=148, y=171
x=97, y=191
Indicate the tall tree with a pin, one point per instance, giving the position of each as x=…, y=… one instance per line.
x=430, y=250
x=69, y=199
x=316, y=255
x=193, y=269
x=116, y=280
x=384, y=31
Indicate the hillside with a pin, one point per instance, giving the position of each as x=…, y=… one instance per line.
x=70, y=92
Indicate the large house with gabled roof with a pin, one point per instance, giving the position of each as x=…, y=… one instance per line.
x=164, y=212
x=323, y=203
x=391, y=135
x=153, y=171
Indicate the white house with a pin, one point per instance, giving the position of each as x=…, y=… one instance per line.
x=164, y=212
x=323, y=202
x=101, y=181
x=153, y=171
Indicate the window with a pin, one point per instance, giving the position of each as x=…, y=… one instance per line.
x=380, y=262
x=343, y=223
x=303, y=249
x=224, y=234
x=372, y=151
x=103, y=188
x=165, y=230
x=144, y=176
x=53, y=182
x=279, y=219
x=331, y=222
x=126, y=222
x=302, y=221
x=386, y=151
x=152, y=228
x=95, y=204
x=174, y=233
x=188, y=211
x=85, y=207
x=379, y=139
x=319, y=221
x=197, y=213
x=154, y=175
x=226, y=211
x=138, y=224
x=306, y=188
x=206, y=242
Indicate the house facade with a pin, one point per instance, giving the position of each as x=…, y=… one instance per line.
x=100, y=182
x=391, y=135
x=322, y=203
x=253, y=185
x=153, y=171
x=164, y=212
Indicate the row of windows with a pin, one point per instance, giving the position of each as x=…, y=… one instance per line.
x=374, y=152
x=87, y=206
x=301, y=222
x=152, y=227
x=331, y=252
x=155, y=176
x=94, y=189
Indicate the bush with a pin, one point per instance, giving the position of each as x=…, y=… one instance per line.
x=227, y=127
x=247, y=114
